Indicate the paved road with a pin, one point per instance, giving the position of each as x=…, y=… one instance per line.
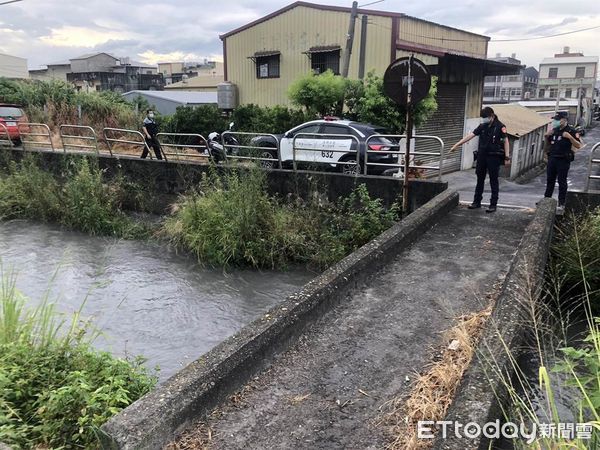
x=526, y=195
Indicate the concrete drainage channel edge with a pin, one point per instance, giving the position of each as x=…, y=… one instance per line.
x=157, y=418
x=482, y=394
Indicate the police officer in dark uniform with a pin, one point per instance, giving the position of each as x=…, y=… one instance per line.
x=493, y=152
x=150, y=129
x=562, y=141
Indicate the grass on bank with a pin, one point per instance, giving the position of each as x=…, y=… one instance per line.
x=55, y=389
x=80, y=199
x=232, y=221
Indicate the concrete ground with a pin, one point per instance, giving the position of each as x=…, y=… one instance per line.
x=327, y=390
x=515, y=194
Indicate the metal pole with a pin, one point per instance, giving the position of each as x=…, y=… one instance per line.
x=578, y=103
x=349, y=40
x=363, y=47
x=409, y=125
x=557, y=98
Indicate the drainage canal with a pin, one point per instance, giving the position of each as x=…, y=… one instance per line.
x=145, y=299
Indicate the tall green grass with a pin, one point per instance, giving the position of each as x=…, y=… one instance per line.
x=232, y=221
x=81, y=199
x=569, y=368
x=55, y=389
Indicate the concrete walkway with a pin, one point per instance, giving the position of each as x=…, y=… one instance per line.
x=526, y=195
x=326, y=391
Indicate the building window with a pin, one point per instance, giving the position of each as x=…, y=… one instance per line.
x=503, y=93
x=488, y=92
x=580, y=72
x=515, y=92
x=267, y=64
x=553, y=92
x=553, y=72
x=568, y=93
x=542, y=93
x=323, y=60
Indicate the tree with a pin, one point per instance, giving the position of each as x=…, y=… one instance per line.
x=377, y=108
x=319, y=94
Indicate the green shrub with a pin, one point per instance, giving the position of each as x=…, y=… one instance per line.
x=83, y=201
x=55, y=389
x=234, y=222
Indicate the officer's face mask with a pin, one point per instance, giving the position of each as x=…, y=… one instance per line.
x=556, y=124
x=151, y=115
x=486, y=120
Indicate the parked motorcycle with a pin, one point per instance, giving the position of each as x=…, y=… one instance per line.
x=581, y=130
x=215, y=142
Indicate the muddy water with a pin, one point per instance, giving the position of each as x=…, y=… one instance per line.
x=145, y=299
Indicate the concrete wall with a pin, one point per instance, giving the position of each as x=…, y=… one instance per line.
x=166, y=180
x=98, y=63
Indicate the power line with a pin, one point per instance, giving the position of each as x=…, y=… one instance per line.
x=545, y=37
x=10, y=1
x=372, y=3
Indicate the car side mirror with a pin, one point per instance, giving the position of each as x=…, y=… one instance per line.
x=231, y=124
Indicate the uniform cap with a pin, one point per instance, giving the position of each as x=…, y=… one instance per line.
x=560, y=115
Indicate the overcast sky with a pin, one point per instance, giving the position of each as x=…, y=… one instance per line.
x=46, y=31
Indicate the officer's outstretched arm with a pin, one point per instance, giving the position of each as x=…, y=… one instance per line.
x=467, y=138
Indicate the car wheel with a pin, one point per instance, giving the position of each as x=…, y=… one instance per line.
x=268, y=159
x=348, y=168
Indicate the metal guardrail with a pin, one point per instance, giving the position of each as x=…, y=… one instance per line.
x=26, y=133
x=110, y=141
x=265, y=154
x=197, y=154
x=5, y=142
x=593, y=160
x=401, y=152
x=354, y=164
x=67, y=139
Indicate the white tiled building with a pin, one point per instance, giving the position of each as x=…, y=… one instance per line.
x=566, y=75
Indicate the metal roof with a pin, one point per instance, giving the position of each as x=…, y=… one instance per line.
x=201, y=81
x=183, y=97
x=519, y=120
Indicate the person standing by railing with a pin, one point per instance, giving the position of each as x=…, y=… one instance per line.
x=150, y=130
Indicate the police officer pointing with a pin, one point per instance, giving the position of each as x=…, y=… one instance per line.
x=493, y=152
x=561, y=139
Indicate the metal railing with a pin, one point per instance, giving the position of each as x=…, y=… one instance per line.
x=110, y=141
x=5, y=142
x=74, y=141
x=348, y=164
x=265, y=155
x=401, y=161
x=179, y=146
x=593, y=160
x=26, y=133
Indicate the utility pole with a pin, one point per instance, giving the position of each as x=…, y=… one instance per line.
x=363, y=47
x=557, y=98
x=408, y=132
x=349, y=40
x=579, y=92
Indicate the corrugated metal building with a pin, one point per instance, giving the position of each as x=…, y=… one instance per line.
x=13, y=67
x=167, y=102
x=525, y=130
x=264, y=57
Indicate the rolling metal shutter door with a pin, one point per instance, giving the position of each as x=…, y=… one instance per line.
x=447, y=123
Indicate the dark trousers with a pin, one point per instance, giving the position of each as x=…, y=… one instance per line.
x=487, y=165
x=557, y=168
x=152, y=143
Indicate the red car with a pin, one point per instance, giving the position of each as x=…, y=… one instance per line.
x=11, y=116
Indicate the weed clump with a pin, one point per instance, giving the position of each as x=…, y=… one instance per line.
x=55, y=389
x=79, y=200
x=232, y=221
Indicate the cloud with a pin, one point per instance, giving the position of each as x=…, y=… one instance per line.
x=49, y=30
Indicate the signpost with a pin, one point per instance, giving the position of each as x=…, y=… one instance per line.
x=406, y=82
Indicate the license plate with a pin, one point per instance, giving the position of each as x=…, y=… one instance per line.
x=11, y=124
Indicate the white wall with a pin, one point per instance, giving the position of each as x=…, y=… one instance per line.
x=471, y=146
x=13, y=67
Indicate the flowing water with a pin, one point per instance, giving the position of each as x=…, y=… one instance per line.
x=145, y=299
